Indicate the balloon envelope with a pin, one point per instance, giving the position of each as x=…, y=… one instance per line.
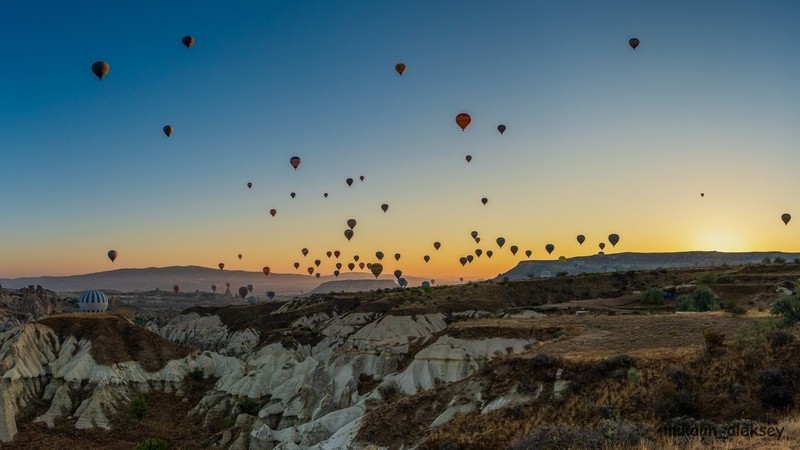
x=100, y=69
x=484, y=200
x=271, y=294
x=348, y=234
x=463, y=120
x=500, y=242
x=351, y=223
x=400, y=68
x=489, y=253
x=273, y=211
x=295, y=162
x=176, y=288
x=514, y=249
x=468, y=158
x=112, y=255
x=384, y=207
x=168, y=130
x=549, y=248
x=265, y=270
x=188, y=41
x=221, y=266
x=349, y=181
x=613, y=238
x=249, y=185
x=376, y=269
x=581, y=238
x=379, y=255
x=528, y=253
x=426, y=258
x=501, y=128
x=786, y=217
x=436, y=245
x=633, y=42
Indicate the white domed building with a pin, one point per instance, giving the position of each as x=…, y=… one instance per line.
x=93, y=302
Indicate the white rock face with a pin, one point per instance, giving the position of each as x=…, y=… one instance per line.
x=209, y=333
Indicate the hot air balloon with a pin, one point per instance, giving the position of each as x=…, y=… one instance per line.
x=249, y=185
x=500, y=242
x=176, y=288
x=463, y=261
x=349, y=182
x=484, y=200
x=400, y=68
x=168, y=130
x=514, y=249
x=425, y=284
x=265, y=270
x=355, y=258
x=581, y=238
x=379, y=255
x=528, y=253
x=633, y=42
x=602, y=245
x=339, y=266
x=426, y=258
x=273, y=211
x=489, y=254
x=501, y=128
x=317, y=262
x=436, y=245
x=549, y=248
x=702, y=194
x=402, y=282
x=329, y=253
x=468, y=158
x=786, y=217
x=227, y=285
x=304, y=251
x=351, y=223
x=613, y=238
x=385, y=207
x=463, y=120
x=470, y=258
x=398, y=273
x=317, y=275
x=271, y=294
x=478, y=240
x=348, y=234
x=351, y=266
x=243, y=292
x=213, y=288
x=336, y=273
x=188, y=41
x=361, y=265
x=250, y=288
x=295, y=162
x=296, y=265
x=112, y=255
x=397, y=256
x=239, y=255
x=310, y=270
x=337, y=253
x=293, y=195
x=474, y=234
x=361, y=178
x=478, y=252
x=100, y=69
x=376, y=269
x=221, y=266
x=325, y=195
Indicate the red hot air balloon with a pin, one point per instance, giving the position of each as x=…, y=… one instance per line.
x=100, y=69
x=295, y=162
x=221, y=266
x=112, y=255
x=463, y=120
x=400, y=68
x=188, y=41
x=273, y=211
x=633, y=42
x=265, y=270
x=168, y=130
x=361, y=265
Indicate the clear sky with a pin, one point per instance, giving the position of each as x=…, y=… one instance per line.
x=601, y=138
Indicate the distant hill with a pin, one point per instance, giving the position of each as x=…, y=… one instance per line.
x=190, y=279
x=620, y=262
x=353, y=286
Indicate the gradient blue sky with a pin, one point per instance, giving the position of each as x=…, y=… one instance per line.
x=600, y=138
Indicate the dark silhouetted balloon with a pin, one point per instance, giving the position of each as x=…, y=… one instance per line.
x=484, y=200
x=361, y=178
x=786, y=217
x=100, y=69
x=489, y=254
x=478, y=240
x=581, y=238
x=227, y=285
x=317, y=262
x=549, y=248
x=296, y=265
x=501, y=128
x=293, y=195
x=250, y=288
x=402, y=282
x=213, y=288
x=468, y=158
x=351, y=266
x=295, y=162
x=602, y=245
x=168, y=130
x=176, y=288
x=398, y=273
x=348, y=234
x=355, y=258
x=425, y=284
x=385, y=207
x=243, y=291
x=339, y=266
x=271, y=294
x=221, y=266
x=376, y=269
x=562, y=259
x=361, y=265
x=336, y=273
x=304, y=251
x=474, y=234
x=463, y=261
x=633, y=42
x=397, y=256
x=379, y=255
x=613, y=238
x=470, y=258
x=239, y=256
x=400, y=68
x=426, y=258
x=273, y=211
x=436, y=245
x=514, y=249
x=265, y=270
x=478, y=252
x=310, y=270
x=112, y=255
x=325, y=195
x=317, y=275
x=702, y=194
x=351, y=223
x=528, y=253
x=249, y=185
x=329, y=253
x=463, y=120
x=500, y=241
x=349, y=182
x=337, y=253
x=188, y=41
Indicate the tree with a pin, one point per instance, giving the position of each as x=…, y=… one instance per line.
x=138, y=407
x=653, y=296
x=787, y=306
x=152, y=444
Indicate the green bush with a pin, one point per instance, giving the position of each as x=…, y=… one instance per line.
x=702, y=299
x=653, y=296
x=228, y=422
x=708, y=278
x=138, y=407
x=778, y=260
x=562, y=273
x=247, y=406
x=788, y=307
x=766, y=261
x=197, y=374
x=725, y=278
x=152, y=444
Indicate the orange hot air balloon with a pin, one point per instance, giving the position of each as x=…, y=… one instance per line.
x=580, y=239
x=489, y=254
x=296, y=265
x=528, y=253
x=249, y=185
x=329, y=253
x=379, y=255
x=112, y=255
x=349, y=182
x=293, y=195
x=265, y=270
x=348, y=234
x=337, y=253
x=436, y=245
x=188, y=41
x=463, y=120
x=468, y=158
x=786, y=217
x=361, y=265
x=310, y=270
x=613, y=238
x=239, y=255
x=501, y=128
x=351, y=266
x=484, y=200
x=351, y=223
x=295, y=162
x=176, y=288
x=400, y=68
x=397, y=256
x=633, y=42
x=385, y=207
x=273, y=211
x=376, y=269
x=100, y=69
x=500, y=242
x=168, y=130
x=304, y=251
x=221, y=266
x=549, y=248
x=514, y=250
x=426, y=258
